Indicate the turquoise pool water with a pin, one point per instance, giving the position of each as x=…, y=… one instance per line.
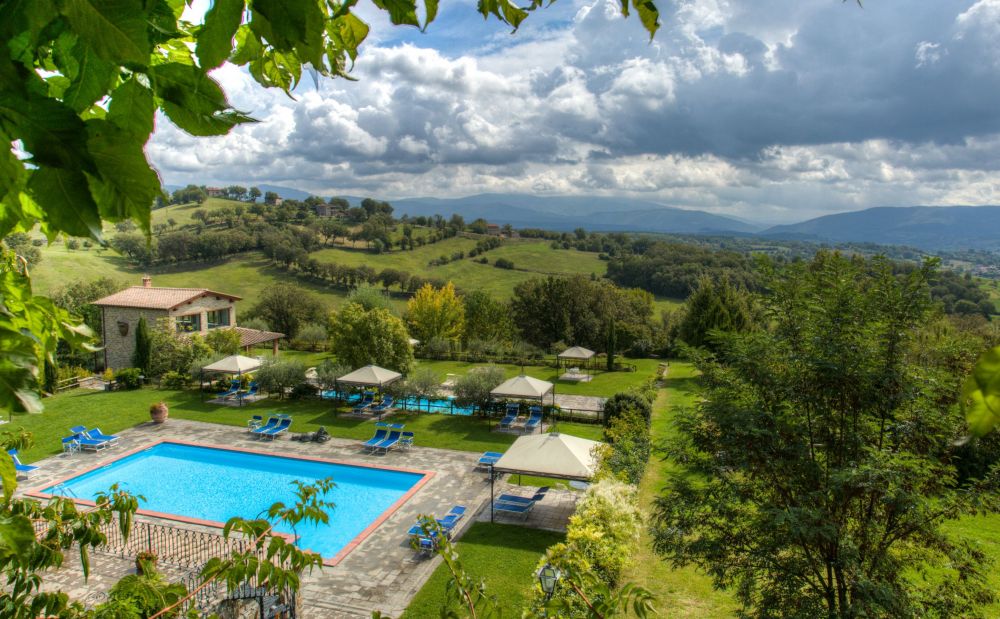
x=217, y=484
x=412, y=403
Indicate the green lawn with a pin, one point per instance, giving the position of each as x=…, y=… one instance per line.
x=502, y=554
x=683, y=592
x=116, y=411
x=538, y=256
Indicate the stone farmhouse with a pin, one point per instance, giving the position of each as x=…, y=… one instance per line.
x=187, y=310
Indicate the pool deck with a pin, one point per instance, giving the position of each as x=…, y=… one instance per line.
x=380, y=573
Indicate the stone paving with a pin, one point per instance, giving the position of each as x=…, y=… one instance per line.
x=382, y=573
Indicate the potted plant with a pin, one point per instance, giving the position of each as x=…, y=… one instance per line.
x=109, y=377
x=159, y=412
x=145, y=562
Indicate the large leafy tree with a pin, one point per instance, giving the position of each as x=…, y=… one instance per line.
x=714, y=307
x=286, y=308
x=436, y=313
x=487, y=318
x=822, y=452
x=360, y=336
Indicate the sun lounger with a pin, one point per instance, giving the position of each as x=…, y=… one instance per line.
x=365, y=402
x=447, y=522
x=252, y=390
x=520, y=509
x=391, y=441
x=272, y=422
x=380, y=435
x=534, y=421
x=510, y=417
x=89, y=444
x=405, y=440
x=283, y=425
x=254, y=422
x=234, y=388
x=70, y=444
x=488, y=458
x=97, y=435
x=523, y=500
x=19, y=467
x=383, y=406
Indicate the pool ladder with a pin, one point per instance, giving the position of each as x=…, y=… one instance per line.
x=64, y=490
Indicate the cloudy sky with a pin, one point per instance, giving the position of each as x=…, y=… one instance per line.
x=773, y=110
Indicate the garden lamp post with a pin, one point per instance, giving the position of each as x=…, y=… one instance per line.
x=548, y=576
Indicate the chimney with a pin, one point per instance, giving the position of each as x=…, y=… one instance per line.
x=147, y=281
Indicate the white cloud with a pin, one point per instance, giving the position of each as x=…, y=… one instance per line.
x=764, y=108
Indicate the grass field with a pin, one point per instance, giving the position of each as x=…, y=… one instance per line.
x=118, y=410
x=509, y=579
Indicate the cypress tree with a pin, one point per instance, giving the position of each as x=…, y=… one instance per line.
x=142, y=347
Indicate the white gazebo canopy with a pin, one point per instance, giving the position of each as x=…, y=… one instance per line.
x=370, y=376
x=233, y=364
x=414, y=341
x=522, y=388
x=577, y=352
x=551, y=455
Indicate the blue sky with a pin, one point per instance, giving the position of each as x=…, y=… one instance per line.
x=768, y=110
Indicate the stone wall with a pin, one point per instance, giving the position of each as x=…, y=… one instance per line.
x=118, y=348
x=203, y=305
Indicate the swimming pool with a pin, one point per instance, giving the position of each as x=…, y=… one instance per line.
x=413, y=403
x=209, y=485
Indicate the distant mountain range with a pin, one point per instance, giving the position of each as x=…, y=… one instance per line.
x=924, y=227
x=569, y=212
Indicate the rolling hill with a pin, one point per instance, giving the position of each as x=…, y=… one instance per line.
x=925, y=227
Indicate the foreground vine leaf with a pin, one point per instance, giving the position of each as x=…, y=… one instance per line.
x=981, y=394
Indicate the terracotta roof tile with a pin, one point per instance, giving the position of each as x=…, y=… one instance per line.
x=250, y=337
x=157, y=298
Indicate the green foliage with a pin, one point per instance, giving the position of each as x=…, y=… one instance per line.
x=819, y=483
x=436, y=314
x=285, y=308
x=170, y=351
x=474, y=386
x=129, y=378
x=981, y=394
x=629, y=446
x=423, y=382
x=277, y=376
x=312, y=336
x=329, y=371
x=140, y=595
x=580, y=311
x=486, y=318
x=369, y=297
x=223, y=341
x=140, y=358
x=624, y=403
x=360, y=337
x=600, y=537
x=175, y=380
x=714, y=307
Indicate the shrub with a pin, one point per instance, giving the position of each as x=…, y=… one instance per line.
x=629, y=447
x=174, y=380
x=600, y=538
x=329, y=371
x=129, y=378
x=311, y=336
x=224, y=341
x=626, y=401
x=437, y=348
x=423, y=382
x=277, y=376
x=503, y=263
x=475, y=386
x=303, y=390
x=72, y=244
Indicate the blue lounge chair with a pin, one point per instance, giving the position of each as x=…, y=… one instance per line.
x=405, y=440
x=510, y=417
x=534, y=421
x=520, y=509
x=382, y=406
x=70, y=444
x=19, y=467
x=97, y=435
x=283, y=425
x=447, y=523
x=234, y=388
x=522, y=500
x=272, y=422
x=255, y=422
x=488, y=458
x=90, y=444
x=365, y=402
x=391, y=441
x=380, y=435
x=252, y=390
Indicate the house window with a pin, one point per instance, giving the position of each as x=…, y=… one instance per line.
x=218, y=318
x=189, y=323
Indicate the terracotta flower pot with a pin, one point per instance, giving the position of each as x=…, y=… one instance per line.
x=159, y=412
x=146, y=558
